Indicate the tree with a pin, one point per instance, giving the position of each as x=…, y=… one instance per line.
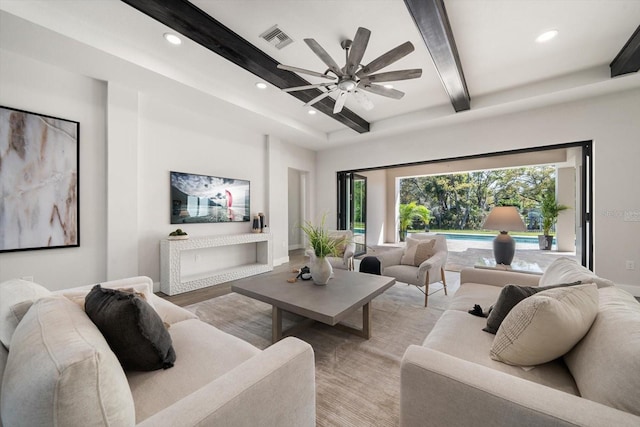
x=462, y=201
x=406, y=214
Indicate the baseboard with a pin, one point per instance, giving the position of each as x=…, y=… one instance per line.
x=294, y=247
x=156, y=287
x=632, y=289
x=280, y=261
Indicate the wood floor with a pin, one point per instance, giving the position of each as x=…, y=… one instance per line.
x=297, y=259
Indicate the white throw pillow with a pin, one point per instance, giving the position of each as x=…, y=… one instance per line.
x=417, y=251
x=13, y=292
x=565, y=270
x=545, y=326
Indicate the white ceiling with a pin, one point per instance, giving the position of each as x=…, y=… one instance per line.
x=505, y=69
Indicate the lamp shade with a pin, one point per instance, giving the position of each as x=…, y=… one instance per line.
x=504, y=218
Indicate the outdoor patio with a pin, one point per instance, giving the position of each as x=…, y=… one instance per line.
x=470, y=253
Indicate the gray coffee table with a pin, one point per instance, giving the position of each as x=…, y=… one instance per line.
x=345, y=293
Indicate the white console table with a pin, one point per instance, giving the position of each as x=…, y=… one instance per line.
x=198, y=262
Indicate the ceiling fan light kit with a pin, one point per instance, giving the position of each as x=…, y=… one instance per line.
x=354, y=77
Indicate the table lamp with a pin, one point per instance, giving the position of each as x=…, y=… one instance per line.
x=504, y=219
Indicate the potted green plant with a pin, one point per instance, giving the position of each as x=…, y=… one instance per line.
x=322, y=245
x=549, y=210
x=407, y=213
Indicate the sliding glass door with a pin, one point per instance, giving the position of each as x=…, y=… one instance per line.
x=352, y=207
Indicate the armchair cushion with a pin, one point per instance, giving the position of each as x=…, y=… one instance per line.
x=418, y=251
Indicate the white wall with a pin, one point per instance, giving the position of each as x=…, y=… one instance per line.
x=612, y=123
x=376, y=206
x=33, y=86
x=295, y=209
x=178, y=136
x=129, y=141
x=281, y=157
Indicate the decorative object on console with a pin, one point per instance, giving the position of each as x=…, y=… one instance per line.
x=201, y=198
x=255, y=228
x=38, y=181
x=178, y=235
x=504, y=219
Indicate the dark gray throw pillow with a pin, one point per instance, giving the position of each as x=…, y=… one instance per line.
x=133, y=329
x=509, y=297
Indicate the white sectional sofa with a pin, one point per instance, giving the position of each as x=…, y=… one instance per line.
x=451, y=380
x=57, y=369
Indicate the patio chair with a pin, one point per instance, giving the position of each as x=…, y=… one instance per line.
x=401, y=263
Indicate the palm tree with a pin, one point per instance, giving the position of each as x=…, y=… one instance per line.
x=407, y=213
x=550, y=209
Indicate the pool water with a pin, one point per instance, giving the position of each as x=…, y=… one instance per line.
x=489, y=237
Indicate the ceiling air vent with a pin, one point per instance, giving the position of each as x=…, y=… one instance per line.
x=276, y=37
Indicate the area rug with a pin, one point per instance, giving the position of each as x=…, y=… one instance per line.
x=357, y=380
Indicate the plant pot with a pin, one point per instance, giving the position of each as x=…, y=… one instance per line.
x=321, y=271
x=403, y=235
x=545, y=242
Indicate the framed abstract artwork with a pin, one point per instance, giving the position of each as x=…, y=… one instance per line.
x=39, y=185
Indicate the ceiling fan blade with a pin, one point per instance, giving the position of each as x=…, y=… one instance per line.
x=356, y=51
x=303, y=71
x=381, y=90
x=342, y=97
x=393, y=76
x=362, y=99
x=318, y=98
x=388, y=58
x=293, y=89
x=324, y=56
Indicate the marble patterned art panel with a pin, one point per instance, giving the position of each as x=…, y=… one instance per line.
x=38, y=181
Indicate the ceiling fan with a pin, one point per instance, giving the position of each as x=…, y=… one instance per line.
x=354, y=77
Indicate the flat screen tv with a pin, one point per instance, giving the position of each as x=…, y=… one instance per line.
x=202, y=198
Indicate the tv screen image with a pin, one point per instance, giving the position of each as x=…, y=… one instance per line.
x=202, y=198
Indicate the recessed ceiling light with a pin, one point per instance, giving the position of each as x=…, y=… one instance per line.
x=546, y=36
x=389, y=86
x=312, y=112
x=172, y=38
x=261, y=85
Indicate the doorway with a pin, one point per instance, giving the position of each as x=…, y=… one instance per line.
x=352, y=208
x=576, y=155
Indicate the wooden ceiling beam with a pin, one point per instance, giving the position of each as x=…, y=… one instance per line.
x=431, y=19
x=628, y=59
x=191, y=22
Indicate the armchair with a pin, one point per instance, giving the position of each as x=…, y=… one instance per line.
x=395, y=263
x=345, y=261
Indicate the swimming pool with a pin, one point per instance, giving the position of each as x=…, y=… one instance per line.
x=489, y=237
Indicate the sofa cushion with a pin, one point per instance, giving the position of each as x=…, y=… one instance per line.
x=418, y=251
x=13, y=292
x=469, y=294
x=132, y=328
x=509, y=297
x=61, y=371
x=458, y=334
x=606, y=363
x=206, y=353
x=79, y=295
x=565, y=270
x=545, y=326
